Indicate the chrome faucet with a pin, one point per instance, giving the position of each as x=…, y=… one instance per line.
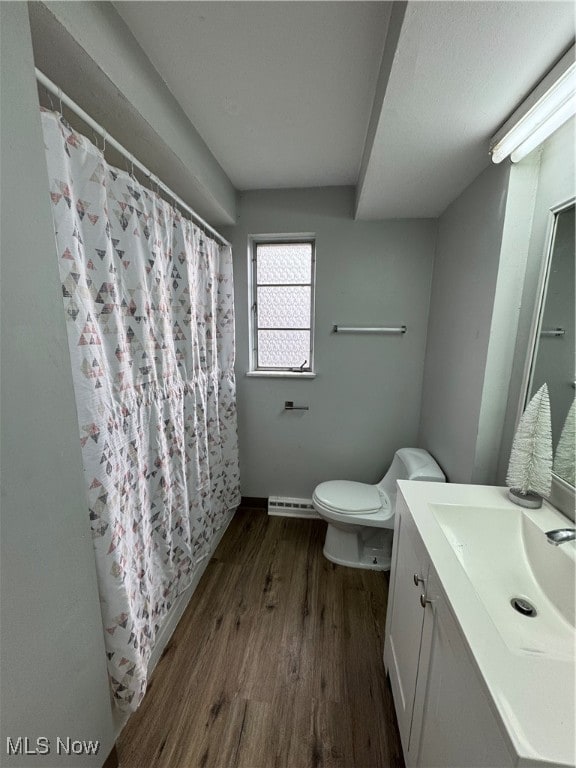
x=561, y=535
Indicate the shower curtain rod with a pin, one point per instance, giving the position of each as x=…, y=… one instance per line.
x=108, y=139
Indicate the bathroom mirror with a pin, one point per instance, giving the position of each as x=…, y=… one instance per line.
x=553, y=359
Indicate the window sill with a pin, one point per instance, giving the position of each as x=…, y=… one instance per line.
x=280, y=375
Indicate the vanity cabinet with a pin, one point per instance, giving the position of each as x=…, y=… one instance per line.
x=445, y=716
x=405, y=621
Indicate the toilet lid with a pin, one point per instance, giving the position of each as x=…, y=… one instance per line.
x=349, y=497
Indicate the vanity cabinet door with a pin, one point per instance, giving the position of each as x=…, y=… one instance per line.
x=405, y=618
x=457, y=726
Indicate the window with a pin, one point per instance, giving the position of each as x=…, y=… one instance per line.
x=282, y=303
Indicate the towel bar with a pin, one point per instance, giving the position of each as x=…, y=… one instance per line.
x=368, y=329
x=552, y=332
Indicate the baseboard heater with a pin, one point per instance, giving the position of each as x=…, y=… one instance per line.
x=284, y=506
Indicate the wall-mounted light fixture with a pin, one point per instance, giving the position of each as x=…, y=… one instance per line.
x=549, y=106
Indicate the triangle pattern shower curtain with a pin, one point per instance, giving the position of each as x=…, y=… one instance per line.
x=149, y=305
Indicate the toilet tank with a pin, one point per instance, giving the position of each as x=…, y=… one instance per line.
x=410, y=464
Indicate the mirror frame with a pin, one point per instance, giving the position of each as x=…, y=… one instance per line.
x=562, y=495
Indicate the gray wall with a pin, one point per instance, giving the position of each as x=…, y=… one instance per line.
x=365, y=401
x=460, y=323
x=53, y=672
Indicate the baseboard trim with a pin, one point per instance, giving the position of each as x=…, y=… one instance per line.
x=254, y=502
x=260, y=503
x=180, y=605
x=181, y=602
x=302, y=514
x=112, y=760
x=289, y=506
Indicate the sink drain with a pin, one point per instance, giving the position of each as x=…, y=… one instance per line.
x=523, y=606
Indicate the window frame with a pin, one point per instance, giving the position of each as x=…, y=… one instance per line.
x=285, y=239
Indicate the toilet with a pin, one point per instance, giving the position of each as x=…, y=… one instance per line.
x=360, y=517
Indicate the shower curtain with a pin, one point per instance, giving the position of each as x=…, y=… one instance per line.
x=149, y=306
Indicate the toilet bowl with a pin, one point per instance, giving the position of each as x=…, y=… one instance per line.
x=360, y=517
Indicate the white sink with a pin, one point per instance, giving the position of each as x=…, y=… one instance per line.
x=505, y=555
x=483, y=551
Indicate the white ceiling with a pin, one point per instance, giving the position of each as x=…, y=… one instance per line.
x=282, y=92
x=460, y=69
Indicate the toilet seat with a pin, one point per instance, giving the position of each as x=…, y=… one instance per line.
x=349, y=497
x=359, y=503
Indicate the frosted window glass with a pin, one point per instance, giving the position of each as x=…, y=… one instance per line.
x=282, y=304
x=283, y=263
x=283, y=307
x=283, y=349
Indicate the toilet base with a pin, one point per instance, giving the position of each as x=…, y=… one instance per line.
x=369, y=548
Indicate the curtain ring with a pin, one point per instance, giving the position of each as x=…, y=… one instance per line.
x=60, y=100
x=50, y=101
x=130, y=165
x=104, y=135
x=153, y=185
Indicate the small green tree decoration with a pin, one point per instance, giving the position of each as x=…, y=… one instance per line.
x=565, y=457
x=530, y=468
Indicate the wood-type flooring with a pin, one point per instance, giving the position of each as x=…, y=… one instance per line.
x=276, y=663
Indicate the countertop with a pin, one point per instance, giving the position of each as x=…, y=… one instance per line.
x=533, y=694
